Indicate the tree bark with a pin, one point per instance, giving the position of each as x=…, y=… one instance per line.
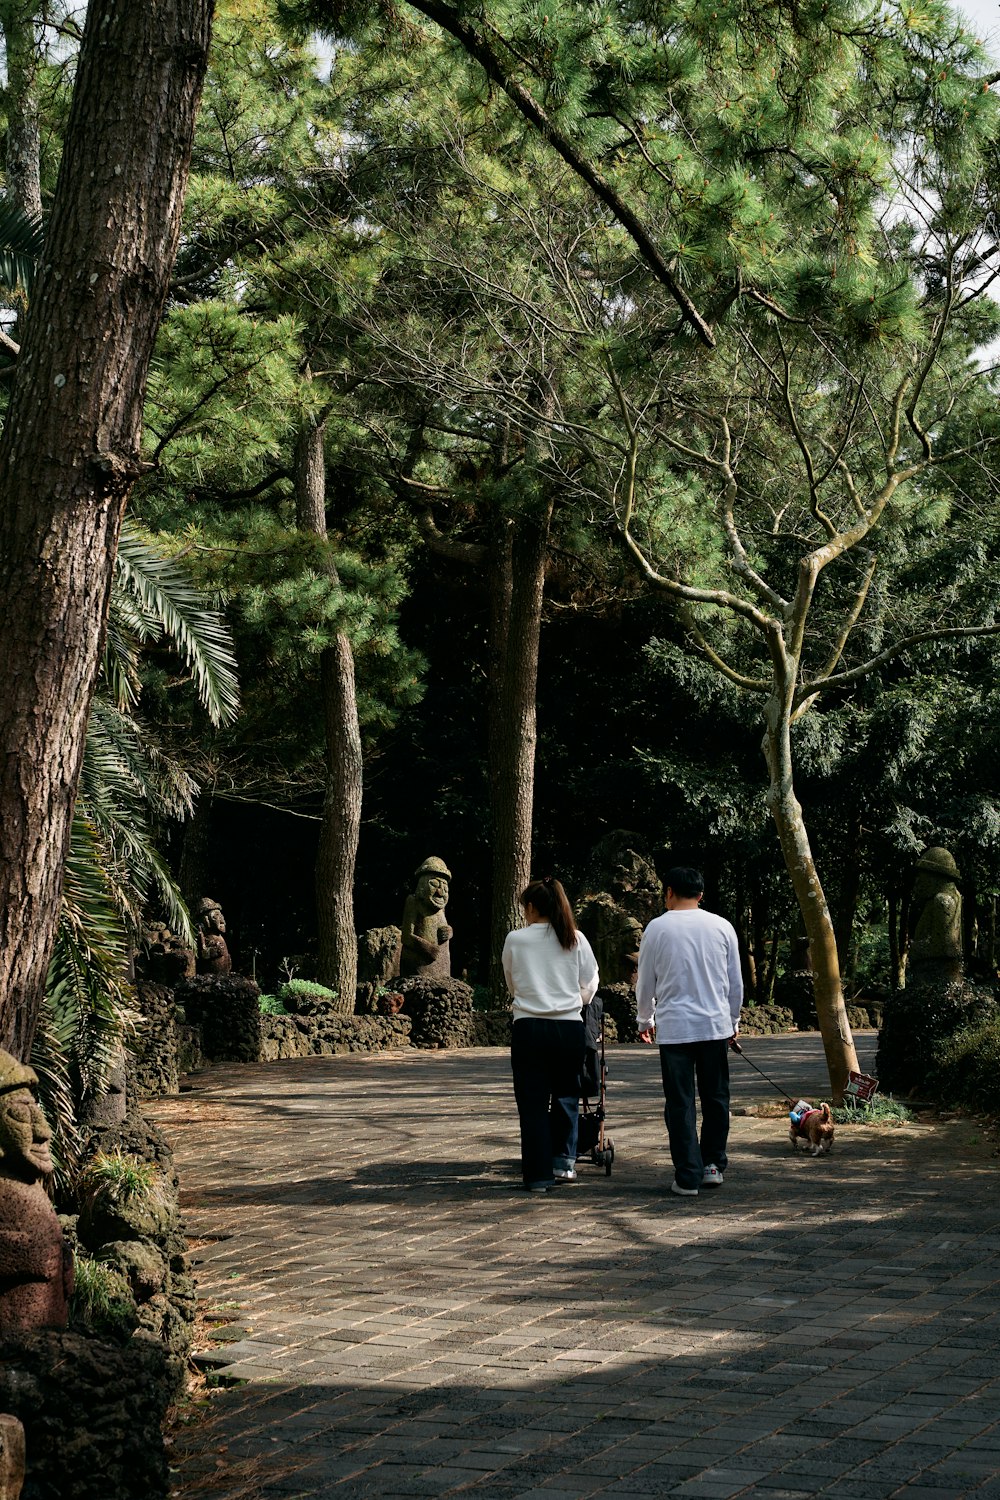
x=23, y=172
x=847, y=902
x=517, y=583
x=70, y=445
x=838, y=1043
x=340, y=829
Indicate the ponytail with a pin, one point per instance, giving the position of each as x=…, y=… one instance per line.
x=550, y=901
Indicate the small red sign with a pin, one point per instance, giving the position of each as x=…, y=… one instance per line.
x=861, y=1087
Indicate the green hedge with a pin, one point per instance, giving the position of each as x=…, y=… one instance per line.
x=968, y=1066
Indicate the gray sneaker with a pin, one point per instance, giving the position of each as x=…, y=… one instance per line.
x=569, y=1175
x=675, y=1187
x=711, y=1177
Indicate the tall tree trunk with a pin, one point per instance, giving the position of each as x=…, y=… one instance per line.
x=517, y=584
x=70, y=444
x=847, y=896
x=340, y=829
x=748, y=958
x=786, y=811
x=23, y=171
x=895, y=942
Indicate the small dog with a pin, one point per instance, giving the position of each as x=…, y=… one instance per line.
x=814, y=1125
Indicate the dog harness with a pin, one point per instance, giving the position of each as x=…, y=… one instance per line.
x=800, y=1114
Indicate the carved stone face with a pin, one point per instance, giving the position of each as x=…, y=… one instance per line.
x=432, y=892
x=214, y=921
x=24, y=1138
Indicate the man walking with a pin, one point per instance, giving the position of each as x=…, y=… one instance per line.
x=691, y=985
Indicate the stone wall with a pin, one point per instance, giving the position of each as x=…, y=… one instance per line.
x=440, y=1009
x=138, y=1236
x=324, y=1036
x=93, y=1413
x=226, y=1008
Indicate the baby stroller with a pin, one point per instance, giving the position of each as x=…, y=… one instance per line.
x=592, y=1144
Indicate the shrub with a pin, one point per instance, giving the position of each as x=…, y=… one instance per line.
x=968, y=1066
x=270, y=1005
x=304, y=997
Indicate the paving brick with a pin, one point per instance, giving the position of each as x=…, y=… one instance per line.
x=415, y=1326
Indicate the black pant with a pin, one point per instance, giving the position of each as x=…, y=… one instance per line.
x=546, y=1058
x=682, y=1065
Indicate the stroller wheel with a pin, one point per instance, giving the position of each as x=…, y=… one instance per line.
x=609, y=1157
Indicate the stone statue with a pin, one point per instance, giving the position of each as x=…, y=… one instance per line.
x=11, y=1457
x=425, y=946
x=936, y=911
x=165, y=958
x=36, y=1267
x=213, y=953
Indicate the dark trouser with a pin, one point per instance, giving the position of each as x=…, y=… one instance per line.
x=682, y=1065
x=546, y=1058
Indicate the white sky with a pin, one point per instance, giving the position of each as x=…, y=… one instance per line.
x=985, y=18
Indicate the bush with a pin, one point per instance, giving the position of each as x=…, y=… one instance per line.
x=304, y=997
x=968, y=1066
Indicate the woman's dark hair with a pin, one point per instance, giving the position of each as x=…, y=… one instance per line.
x=549, y=900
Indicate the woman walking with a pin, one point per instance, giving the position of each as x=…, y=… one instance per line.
x=551, y=973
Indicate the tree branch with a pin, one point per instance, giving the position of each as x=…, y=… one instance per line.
x=842, y=679
x=480, y=48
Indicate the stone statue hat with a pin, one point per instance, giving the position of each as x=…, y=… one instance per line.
x=15, y=1075
x=433, y=866
x=939, y=862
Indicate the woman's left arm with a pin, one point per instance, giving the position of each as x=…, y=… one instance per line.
x=589, y=976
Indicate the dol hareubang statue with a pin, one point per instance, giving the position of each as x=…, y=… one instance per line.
x=213, y=951
x=936, y=912
x=425, y=947
x=36, y=1267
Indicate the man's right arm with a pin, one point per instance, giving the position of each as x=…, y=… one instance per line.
x=735, y=971
x=645, y=989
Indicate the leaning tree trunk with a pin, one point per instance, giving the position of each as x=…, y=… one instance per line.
x=838, y=1042
x=70, y=445
x=517, y=587
x=340, y=829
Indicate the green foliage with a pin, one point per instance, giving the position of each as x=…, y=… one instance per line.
x=21, y=246
x=968, y=1067
x=117, y=1177
x=102, y=1299
x=295, y=994
x=270, y=1005
x=883, y=1109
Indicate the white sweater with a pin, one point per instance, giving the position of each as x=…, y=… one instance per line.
x=689, y=970
x=545, y=979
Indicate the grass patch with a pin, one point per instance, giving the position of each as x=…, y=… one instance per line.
x=883, y=1109
x=120, y=1178
x=102, y=1298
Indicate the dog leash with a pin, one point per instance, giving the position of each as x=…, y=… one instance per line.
x=734, y=1044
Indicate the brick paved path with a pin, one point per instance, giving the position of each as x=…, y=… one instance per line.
x=409, y=1324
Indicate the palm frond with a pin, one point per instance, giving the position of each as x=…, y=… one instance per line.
x=88, y=1013
x=50, y=1058
x=21, y=244
x=171, y=601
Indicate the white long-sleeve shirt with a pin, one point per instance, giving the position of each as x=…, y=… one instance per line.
x=690, y=979
x=544, y=978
